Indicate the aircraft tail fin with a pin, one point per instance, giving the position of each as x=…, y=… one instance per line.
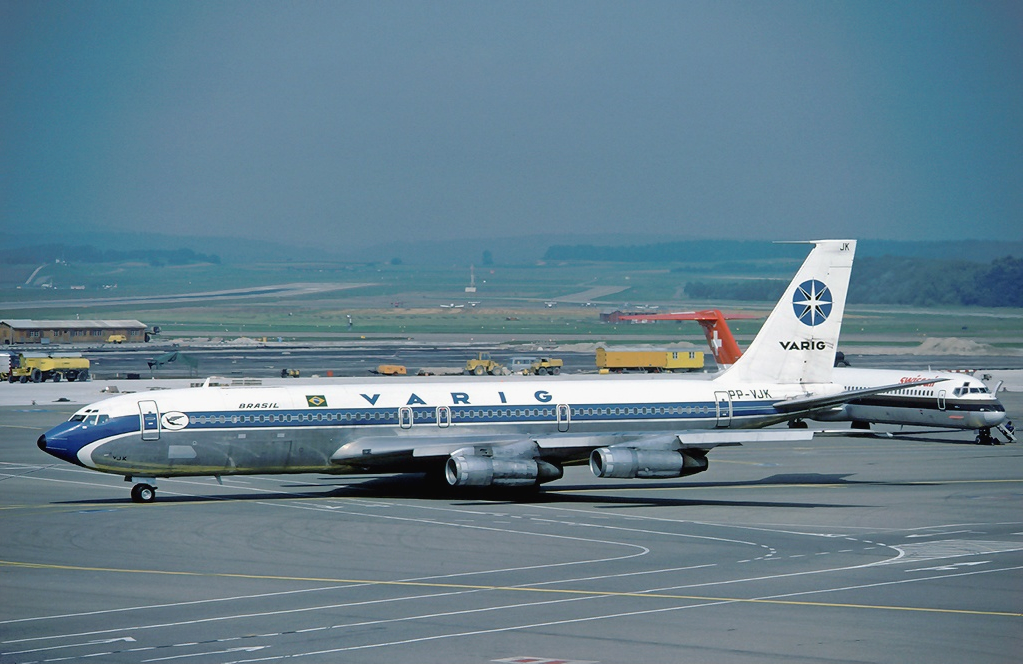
x=798, y=341
x=719, y=337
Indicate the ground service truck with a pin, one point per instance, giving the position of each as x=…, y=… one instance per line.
x=651, y=361
x=40, y=367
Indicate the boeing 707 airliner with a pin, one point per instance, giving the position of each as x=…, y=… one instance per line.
x=500, y=431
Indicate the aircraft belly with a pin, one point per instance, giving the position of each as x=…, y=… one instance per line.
x=181, y=453
x=289, y=449
x=949, y=417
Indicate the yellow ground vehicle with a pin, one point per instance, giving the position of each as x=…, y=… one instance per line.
x=391, y=370
x=116, y=339
x=482, y=364
x=40, y=367
x=536, y=365
x=651, y=361
x=547, y=365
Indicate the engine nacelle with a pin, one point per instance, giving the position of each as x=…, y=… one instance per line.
x=487, y=471
x=644, y=464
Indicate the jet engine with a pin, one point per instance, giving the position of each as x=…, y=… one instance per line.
x=487, y=471
x=645, y=464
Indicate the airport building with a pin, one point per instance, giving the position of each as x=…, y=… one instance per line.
x=23, y=331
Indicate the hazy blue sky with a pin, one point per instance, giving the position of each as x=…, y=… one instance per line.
x=357, y=122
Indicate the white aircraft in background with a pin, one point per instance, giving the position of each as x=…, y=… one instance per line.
x=949, y=401
x=500, y=431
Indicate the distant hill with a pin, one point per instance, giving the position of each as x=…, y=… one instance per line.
x=47, y=253
x=625, y=247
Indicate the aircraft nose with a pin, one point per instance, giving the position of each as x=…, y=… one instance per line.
x=994, y=418
x=41, y=443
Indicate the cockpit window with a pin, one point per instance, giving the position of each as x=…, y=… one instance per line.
x=970, y=390
x=96, y=418
x=77, y=417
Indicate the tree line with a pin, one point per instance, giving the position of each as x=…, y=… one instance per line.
x=897, y=280
x=704, y=251
x=48, y=253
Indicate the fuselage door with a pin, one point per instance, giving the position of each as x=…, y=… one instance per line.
x=941, y=399
x=443, y=416
x=150, y=416
x=564, y=416
x=405, y=417
x=723, y=406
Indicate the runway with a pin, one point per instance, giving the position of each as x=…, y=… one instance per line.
x=843, y=549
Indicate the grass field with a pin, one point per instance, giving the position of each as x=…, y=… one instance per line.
x=402, y=301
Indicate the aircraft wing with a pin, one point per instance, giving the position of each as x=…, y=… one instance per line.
x=811, y=403
x=417, y=452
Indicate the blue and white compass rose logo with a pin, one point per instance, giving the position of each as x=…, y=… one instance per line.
x=812, y=302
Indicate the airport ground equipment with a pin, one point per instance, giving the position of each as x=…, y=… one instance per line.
x=116, y=339
x=521, y=365
x=290, y=373
x=540, y=366
x=175, y=357
x=391, y=370
x=651, y=361
x=41, y=367
x=484, y=364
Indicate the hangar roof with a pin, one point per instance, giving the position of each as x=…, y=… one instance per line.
x=28, y=324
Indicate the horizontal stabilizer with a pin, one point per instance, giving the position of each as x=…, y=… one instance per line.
x=811, y=403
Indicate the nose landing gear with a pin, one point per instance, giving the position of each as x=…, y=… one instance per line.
x=143, y=492
x=984, y=437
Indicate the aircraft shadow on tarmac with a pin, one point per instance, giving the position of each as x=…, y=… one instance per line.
x=417, y=486
x=920, y=437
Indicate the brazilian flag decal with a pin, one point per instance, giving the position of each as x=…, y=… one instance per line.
x=316, y=401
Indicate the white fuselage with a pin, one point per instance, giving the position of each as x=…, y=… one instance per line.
x=305, y=428
x=957, y=401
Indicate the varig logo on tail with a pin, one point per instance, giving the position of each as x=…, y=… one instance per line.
x=812, y=302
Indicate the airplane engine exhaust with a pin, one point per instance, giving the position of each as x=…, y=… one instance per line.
x=486, y=471
x=631, y=463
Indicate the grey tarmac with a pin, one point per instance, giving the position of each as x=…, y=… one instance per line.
x=843, y=549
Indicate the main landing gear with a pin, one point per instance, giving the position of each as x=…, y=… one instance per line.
x=984, y=437
x=143, y=492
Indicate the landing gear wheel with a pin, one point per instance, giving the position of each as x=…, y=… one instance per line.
x=798, y=424
x=984, y=437
x=143, y=493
